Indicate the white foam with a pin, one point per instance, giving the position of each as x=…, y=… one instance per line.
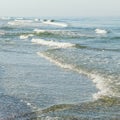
x=52, y=43
x=55, y=23
x=66, y=66
x=2, y=33
x=29, y=104
x=100, y=31
x=62, y=33
x=23, y=21
x=99, y=80
x=39, y=31
x=49, y=31
x=36, y=19
x=26, y=36
x=104, y=88
x=11, y=23
x=20, y=22
x=20, y=18
x=49, y=118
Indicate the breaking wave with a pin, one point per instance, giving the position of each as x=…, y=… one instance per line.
x=19, y=22
x=101, y=31
x=108, y=88
x=62, y=33
x=39, y=31
x=2, y=32
x=26, y=36
x=52, y=43
x=5, y=18
x=51, y=22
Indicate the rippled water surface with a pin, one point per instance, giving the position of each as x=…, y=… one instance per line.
x=62, y=69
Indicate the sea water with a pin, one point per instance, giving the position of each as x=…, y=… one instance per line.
x=62, y=69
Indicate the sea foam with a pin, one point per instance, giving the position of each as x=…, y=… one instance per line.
x=2, y=32
x=5, y=18
x=20, y=22
x=52, y=43
x=63, y=33
x=19, y=18
x=26, y=36
x=100, y=31
x=39, y=31
x=104, y=88
x=49, y=22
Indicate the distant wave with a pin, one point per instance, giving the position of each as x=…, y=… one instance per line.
x=50, y=22
x=39, y=31
x=105, y=88
x=5, y=18
x=23, y=21
x=37, y=19
x=62, y=33
x=2, y=32
x=52, y=43
x=100, y=31
x=20, y=22
x=26, y=36
x=19, y=18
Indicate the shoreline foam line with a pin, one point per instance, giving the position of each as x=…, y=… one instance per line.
x=101, y=85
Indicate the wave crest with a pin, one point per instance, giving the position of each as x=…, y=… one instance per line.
x=39, y=31
x=52, y=43
x=26, y=36
x=60, y=24
x=100, y=31
x=105, y=88
x=2, y=32
x=20, y=22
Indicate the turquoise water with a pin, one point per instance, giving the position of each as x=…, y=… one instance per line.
x=62, y=69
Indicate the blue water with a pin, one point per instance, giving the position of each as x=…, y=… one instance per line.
x=62, y=69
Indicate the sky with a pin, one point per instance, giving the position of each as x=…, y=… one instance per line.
x=59, y=8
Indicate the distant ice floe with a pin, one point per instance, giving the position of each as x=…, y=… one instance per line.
x=100, y=31
x=52, y=43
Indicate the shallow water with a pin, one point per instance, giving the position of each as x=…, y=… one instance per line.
x=63, y=71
